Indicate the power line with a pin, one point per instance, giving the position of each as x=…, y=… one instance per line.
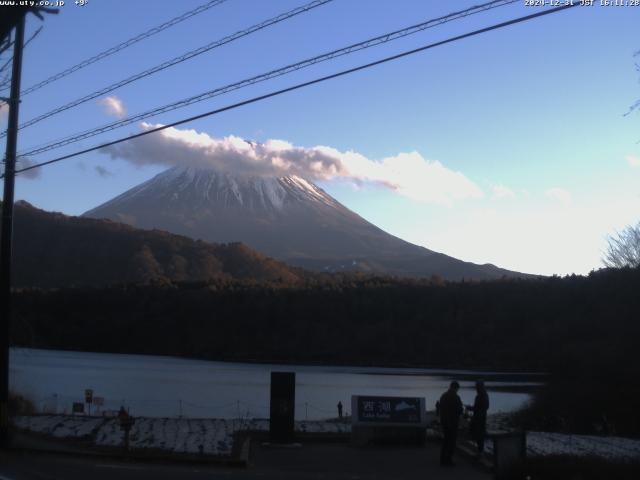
x=6, y=45
x=272, y=74
x=306, y=84
x=275, y=73
x=121, y=46
x=179, y=59
x=8, y=62
x=3, y=67
x=33, y=35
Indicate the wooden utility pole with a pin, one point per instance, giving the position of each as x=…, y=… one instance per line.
x=7, y=231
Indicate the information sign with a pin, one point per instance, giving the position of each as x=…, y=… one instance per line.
x=388, y=410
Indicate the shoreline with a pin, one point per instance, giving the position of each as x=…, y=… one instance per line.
x=457, y=372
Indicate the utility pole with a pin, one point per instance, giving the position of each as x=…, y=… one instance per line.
x=7, y=231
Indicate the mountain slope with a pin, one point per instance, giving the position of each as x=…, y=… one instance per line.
x=56, y=250
x=287, y=218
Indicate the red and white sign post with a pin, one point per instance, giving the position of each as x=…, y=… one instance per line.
x=88, y=398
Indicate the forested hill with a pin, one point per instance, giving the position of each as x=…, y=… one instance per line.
x=583, y=330
x=548, y=324
x=54, y=250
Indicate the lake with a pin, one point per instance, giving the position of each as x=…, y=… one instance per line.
x=158, y=386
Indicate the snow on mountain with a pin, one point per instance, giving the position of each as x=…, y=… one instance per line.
x=288, y=218
x=252, y=192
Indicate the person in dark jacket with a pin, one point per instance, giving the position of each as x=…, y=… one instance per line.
x=478, y=425
x=450, y=411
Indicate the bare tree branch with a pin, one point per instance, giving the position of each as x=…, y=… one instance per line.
x=624, y=248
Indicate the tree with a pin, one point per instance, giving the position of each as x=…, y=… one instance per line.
x=624, y=248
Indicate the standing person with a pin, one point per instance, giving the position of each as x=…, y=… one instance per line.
x=478, y=425
x=450, y=411
x=340, y=410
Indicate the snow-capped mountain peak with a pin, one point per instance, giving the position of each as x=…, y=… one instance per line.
x=209, y=186
x=289, y=218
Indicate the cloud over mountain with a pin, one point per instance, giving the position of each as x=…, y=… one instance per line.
x=408, y=174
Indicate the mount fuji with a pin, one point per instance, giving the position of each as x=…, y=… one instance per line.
x=288, y=218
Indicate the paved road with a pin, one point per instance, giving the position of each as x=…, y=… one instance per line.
x=310, y=461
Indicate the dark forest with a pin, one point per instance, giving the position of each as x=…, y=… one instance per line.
x=583, y=331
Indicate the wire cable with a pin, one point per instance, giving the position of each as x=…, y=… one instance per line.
x=10, y=59
x=306, y=84
x=121, y=46
x=6, y=45
x=179, y=59
x=388, y=37
x=33, y=35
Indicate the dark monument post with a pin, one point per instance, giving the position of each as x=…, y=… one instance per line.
x=282, y=408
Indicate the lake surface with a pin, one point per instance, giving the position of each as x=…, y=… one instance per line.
x=167, y=386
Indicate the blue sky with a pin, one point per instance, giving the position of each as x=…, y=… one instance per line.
x=527, y=122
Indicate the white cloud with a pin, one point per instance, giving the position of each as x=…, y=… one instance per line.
x=559, y=194
x=25, y=162
x=4, y=112
x=501, y=191
x=633, y=160
x=408, y=174
x=413, y=176
x=113, y=106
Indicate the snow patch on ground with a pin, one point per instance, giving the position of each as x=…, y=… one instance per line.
x=541, y=444
x=208, y=436
x=60, y=426
x=211, y=436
